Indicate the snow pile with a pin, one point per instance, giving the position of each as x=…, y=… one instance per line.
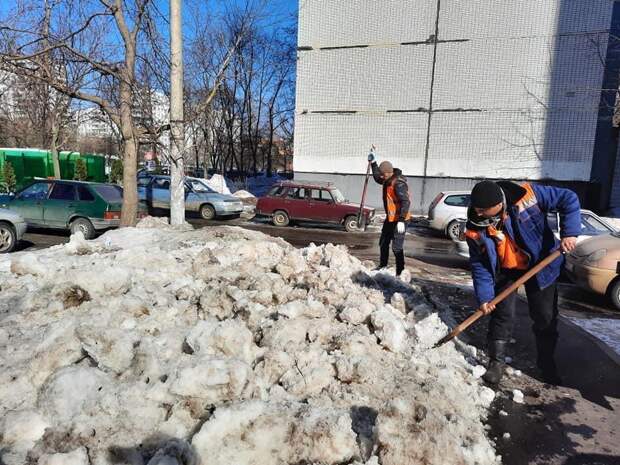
x=241, y=194
x=155, y=345
x=218, y=184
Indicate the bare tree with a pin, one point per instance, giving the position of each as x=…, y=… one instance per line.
x=100, y=47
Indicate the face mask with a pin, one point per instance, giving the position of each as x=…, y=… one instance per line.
x=482, y=222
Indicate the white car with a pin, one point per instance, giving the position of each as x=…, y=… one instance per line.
x=12, y=229
x=591, y=225
x=447, y=210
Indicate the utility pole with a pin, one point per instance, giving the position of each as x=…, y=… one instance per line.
x=177, y=130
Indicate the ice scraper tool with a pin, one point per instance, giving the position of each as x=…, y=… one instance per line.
x=360, y=215
x=502, y=295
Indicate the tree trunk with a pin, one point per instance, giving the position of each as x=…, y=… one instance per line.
x=177, y=130
x=129, y=211
x=54, y=145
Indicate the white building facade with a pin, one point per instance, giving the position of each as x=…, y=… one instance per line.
x=452, y=91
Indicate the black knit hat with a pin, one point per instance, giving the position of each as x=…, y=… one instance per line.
x=486, y=194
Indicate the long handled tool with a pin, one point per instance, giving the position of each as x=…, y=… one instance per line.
x=360, y=215
x=502, y=295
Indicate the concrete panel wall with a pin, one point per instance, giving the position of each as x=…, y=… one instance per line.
x=328, y=143
x=530, y=73
x=478, y=19
x=378, y=78
x=532, y=145
x=337, y=23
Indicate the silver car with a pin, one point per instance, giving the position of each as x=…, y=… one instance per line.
x=199, y=198
x=12, y=229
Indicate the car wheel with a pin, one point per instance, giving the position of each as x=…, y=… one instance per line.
x=280, y=218
x=207, y=212
x=350, y=224
x=84, y=225
x=8, y=239
x=614, y=293
x=453, y=230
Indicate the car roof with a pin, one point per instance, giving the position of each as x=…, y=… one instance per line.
x=310, y=184
x=71, y=181
x=456, y=192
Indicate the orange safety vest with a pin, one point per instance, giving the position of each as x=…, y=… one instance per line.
x=509, y=254
x=392, y=203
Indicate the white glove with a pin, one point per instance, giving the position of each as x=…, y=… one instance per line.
x=400, y=227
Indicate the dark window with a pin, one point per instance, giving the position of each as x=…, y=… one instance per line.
x=277, y=191
x=320, y=195
x=62, y=191
x=298, y=193
x=457, y=200
x=37, y=191
x=144, y=181
x=161, y=183
x=85, y=194
x=110, y=193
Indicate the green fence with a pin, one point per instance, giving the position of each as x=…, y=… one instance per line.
x=34, y=163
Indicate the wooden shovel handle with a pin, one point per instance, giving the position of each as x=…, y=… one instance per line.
x=501, y=296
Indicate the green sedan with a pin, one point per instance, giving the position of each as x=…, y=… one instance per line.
x=77, y=206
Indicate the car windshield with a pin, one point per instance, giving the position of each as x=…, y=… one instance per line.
x=199, y=186
x=337, y=195
x=110, y=193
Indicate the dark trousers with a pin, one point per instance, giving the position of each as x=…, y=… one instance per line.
x=389, y=235
x=543, y=308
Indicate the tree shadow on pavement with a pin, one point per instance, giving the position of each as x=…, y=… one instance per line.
x=593, y=459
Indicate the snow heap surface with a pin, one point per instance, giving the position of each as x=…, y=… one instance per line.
x=167, y=346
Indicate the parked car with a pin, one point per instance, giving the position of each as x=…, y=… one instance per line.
x=78, y=206
x=199, y=198
x=316, y=202
x=12, y=229
x=594, y=265
x=446, y=211
x=591, y=225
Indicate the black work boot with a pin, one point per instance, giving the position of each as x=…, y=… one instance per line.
x=545, y=348
x=400, y=262
x=497, y=355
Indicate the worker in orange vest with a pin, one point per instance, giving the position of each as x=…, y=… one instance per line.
x=396, y=203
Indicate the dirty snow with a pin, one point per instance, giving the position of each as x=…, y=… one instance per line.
x=168, y=346
x=242, y=194
x=217, y=182
x=606, y=330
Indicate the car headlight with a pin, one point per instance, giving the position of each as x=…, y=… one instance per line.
x=596, y=256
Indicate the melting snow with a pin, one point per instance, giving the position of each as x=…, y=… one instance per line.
x=605, y=329
x=157, y=345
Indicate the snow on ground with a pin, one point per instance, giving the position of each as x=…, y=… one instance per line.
x=157, y=345
x=605, y=329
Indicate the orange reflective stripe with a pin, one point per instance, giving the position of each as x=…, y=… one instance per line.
x=529, y=199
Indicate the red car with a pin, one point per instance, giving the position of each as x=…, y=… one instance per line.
x=311, y=201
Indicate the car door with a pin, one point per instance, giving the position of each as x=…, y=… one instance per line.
x=324, y=207
x=161, y=193
x=29, y=202
x=60, y=205
x=296, y=203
